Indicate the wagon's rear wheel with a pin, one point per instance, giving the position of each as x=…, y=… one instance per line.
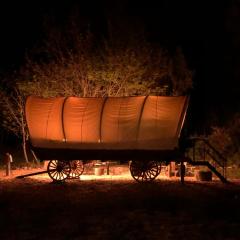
x=77, y=169
x=58, y=170
x=145, y=171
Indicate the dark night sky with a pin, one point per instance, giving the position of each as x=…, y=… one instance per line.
x=207, y=31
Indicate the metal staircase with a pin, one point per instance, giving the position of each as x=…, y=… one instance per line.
x=208, y=151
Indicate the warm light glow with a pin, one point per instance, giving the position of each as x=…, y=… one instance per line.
x=120, y=177
x=150, y=122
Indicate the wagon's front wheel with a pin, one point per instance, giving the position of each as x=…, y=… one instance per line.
x=58, y=170
x=145, y=171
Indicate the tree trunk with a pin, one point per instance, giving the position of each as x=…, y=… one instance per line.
x=24, y=146
x=34, y=156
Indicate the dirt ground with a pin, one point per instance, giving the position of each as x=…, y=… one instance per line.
x=108, y=207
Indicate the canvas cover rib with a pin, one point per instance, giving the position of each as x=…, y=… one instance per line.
x=182, y=117
x=63, y=128
x=143, y=122
x=100, y=127
x=140, y=117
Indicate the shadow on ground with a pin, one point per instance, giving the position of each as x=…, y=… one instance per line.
x=36, y=209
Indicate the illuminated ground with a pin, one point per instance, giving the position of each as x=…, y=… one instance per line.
x=116, y=207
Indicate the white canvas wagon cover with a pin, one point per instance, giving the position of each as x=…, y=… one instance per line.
x=128, y=123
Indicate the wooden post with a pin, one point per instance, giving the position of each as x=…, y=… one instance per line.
x=194, y=151
x=169, y=169
x=173, y=168
x=8, y=169
x=107, y=167
x=182, y=171
x=8, y=160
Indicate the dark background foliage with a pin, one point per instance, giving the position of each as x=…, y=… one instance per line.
x=206, y=31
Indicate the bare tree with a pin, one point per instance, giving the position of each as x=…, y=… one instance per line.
x=14, y=116
x=123, y=63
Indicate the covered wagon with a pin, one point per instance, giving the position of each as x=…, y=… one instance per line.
x=68, y=131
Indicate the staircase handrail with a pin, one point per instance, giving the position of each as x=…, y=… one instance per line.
x=205, y=140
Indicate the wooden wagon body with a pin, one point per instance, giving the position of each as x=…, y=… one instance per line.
x=144, y=129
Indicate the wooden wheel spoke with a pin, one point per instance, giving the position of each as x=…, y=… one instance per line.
x=146, y=177
x=153, y=170
x=61, y=176
x=143, y=176
x=150, y=173
x=57, y=176
x=54, y=173
x=54, y=164
x=76, y=172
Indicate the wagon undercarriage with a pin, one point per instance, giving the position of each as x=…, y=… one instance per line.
x=60, y=170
